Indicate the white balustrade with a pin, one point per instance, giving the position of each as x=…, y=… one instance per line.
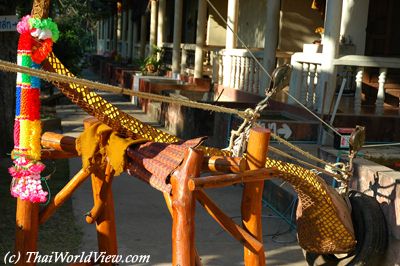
x=380, y=98
x=306, y=68
x=239, y=70
x=304, y=79
x=358, y=92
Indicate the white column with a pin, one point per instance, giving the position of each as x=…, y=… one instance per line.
x=183, y=59
x=135, y=39
x=176, y=49
x=143, y=33
x=115, y=32
x=232, y=19
x=162, y=5
x=330, y=52
x=380, y=98
x=200, y=38
x=106, y=38
x=270, y=40
x=124, y=33
x=358, y=92
x=130, y=34
x=99, y=40
x=153, y=25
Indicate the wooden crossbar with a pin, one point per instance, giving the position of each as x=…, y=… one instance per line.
x=63, y=195
x=216, y=181
x=227, y=223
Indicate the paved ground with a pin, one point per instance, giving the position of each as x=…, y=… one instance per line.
x=144, y=223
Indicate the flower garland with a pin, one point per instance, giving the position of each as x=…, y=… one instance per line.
x=35, y=43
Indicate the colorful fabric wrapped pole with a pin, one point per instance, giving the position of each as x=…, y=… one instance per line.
x=35, y=43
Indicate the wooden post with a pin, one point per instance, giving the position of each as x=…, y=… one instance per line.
x=40, y=8
x=27, y=228
x=27, y=213
x=252, y=193
x=168, y=201
x=183, y=209
x=105, y=221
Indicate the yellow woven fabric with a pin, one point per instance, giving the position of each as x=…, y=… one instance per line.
x=99, y=144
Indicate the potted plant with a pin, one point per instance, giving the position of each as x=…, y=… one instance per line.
x=153, y=64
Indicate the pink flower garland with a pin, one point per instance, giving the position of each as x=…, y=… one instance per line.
x=27, y=184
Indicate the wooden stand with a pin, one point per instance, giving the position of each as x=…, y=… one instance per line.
x=252, y=193
x=187, y=187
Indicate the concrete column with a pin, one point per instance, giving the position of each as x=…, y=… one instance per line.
x=353, y=26
x=330, y=51
x=153, y=25
x=232, y=19
x=135, y=34
x=130, y=34
x=176, y=49
x=143, y=33
x=200, y=38
x=162, y=6
x=270, y=40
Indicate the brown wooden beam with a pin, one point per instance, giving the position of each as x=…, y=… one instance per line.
x=51, y=154
x=100, y=203
x=227, y=223
x=27, y=228
x=105, y=220
x=183, y=209
x=252, y=193
x=59, y=142
x=168, y=201
x=63, y=195
x=231, y=179
x=224, y=164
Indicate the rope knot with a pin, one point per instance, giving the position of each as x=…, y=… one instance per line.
x=251, y=114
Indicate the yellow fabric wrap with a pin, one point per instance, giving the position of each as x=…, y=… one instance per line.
x=99, y=144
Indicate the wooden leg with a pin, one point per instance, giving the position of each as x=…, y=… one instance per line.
x=252, y=193
x=168, y=201
x=63, y=195
x=183, y=210
x=105, y=219
x=27, y=227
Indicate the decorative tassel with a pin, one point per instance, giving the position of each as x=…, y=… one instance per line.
x=34, y=45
